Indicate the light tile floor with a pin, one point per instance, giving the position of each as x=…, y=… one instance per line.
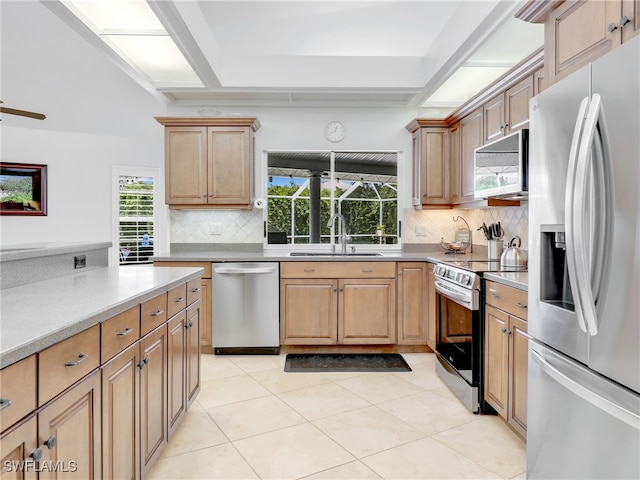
x=253, y=420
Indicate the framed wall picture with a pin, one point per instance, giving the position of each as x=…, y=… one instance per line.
x=23, y=189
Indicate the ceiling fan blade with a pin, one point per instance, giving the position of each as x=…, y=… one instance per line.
x=22, y=113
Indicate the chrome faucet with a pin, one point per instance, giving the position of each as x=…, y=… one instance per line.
x=343, y=224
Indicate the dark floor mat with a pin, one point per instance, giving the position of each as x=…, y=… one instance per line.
x=345, y=362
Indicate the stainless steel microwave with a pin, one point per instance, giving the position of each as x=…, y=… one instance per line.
x=500, y=167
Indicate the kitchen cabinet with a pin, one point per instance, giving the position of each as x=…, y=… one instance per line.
x=432, y=332
x=470, y=136
x=538, y=81
x=413, y=303
x=430, y=162
x=506, y=354
x=19, y=446
x=209, y=161
x=192, y=352
x=176, y=355
x=578, y=32
x=337, y=303
x=69, y=431
x=18, y=391
x=203, y=291
x=508, y=111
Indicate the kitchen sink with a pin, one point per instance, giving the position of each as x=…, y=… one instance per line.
x=334, y=254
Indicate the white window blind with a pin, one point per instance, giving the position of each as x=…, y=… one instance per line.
x=136, y=220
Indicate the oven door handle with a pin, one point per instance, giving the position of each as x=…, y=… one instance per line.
x=451, y=293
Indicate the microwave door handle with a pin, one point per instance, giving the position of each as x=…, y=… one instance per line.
x=570, y=212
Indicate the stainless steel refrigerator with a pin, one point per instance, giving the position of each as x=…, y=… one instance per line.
x=584, y=273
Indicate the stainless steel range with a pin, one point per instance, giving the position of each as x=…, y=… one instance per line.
x=460, y=327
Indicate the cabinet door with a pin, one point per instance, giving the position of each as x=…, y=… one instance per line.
x=434, y=165
x=517, y=105
x=16, y=448
x=494, y=123
x=18, y=391
x=120, y=406
x=454, y=162
x=367, y=311
x=471, y=136
x=230, y=162
x=631, y=10
x=577, y=33
x=206, y=337
x=185, y=165
x=153, y=396
x=538, y=81
x=308, y=311
x=496, y=360
x=176, y=357
x=192, y=352
x=432, y=333
x=518, y=365
x=70, y=426
x=413, y=303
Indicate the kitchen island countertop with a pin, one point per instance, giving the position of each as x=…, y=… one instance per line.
x=40, y=314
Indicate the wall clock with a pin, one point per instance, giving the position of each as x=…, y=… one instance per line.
x=334, y=131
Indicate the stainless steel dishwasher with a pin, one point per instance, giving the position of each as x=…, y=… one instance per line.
x=245, y=301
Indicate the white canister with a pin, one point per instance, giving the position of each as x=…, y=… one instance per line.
x=494, y=249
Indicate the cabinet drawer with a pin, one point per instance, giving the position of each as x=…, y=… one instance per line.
x=119, y=332
x=194, y=290
x=18, y=391
x=508, y=299
x=63, y=364
x=176, y=300
x=205, y=265
x=153, y=313
x=338, y=270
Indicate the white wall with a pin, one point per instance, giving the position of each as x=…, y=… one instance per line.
x=96, y=117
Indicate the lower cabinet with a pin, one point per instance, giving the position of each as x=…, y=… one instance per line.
x=19, y=447
x=506, y=362
x=69, y=432
x=413, y=303
x=432, y=323
x=337, y=303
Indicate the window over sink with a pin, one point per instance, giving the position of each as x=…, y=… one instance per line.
x=306, y=188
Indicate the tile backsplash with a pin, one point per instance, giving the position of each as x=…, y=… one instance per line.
x=419, y=226
x=429, y=226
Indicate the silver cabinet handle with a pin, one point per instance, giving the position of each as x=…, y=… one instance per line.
x=196, y=290
x=179, y=300
x=309, y=270
x=493, y=293
x=624, y=20
x=4, y=403
x=521, y=305
x=158, y=313
x=125, y=332
x=612, y=27
x=367, y=270
x=81, y=358
x=50, y=443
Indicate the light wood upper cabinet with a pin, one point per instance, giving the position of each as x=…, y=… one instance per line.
x=508, y=111
x=578, y=32
x=209, y=161
x=430, y=163
x=506, y=354
x=471, y=137
x=413, y=303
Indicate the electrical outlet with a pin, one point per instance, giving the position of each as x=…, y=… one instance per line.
x=79, y=261
x=421, y=230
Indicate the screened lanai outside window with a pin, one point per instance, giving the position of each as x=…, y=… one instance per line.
x=305, y=189
x=136, y=219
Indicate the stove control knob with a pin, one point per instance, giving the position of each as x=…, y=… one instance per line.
x=466, y=279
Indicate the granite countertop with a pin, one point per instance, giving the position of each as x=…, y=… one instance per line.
x=40, y=314
x=35, y=250
x=519, y=280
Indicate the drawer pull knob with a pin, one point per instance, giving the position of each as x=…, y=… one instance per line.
x=4, y=403
x=36, y=454
x=188, y=325
x=367, y=270
x=309, y=270
x=179, y=300
x=624, y=20
x=81, y=358
x=612, y=28
x=196, y=290
x=504, y=330
x=158, y=313
x=125, y=332
x=521, y=305
x=143, y=363
x=50, y=443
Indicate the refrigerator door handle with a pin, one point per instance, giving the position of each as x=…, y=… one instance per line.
x=587, y=394
x=570, y=209
x=592, y=161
